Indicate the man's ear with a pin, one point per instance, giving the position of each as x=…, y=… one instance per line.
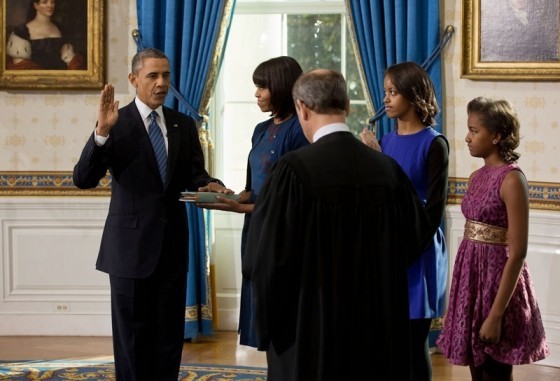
x=302, y=109
x=347, y=107
x=132, y=79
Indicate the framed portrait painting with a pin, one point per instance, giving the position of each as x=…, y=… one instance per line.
x=48, y=44
x=515, y=40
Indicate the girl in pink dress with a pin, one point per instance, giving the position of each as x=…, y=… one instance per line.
x=493, y=320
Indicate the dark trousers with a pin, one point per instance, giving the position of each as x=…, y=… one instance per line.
x=420, y=360
x=148, y=317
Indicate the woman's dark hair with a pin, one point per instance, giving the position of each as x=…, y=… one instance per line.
x=278, y=75
x=31, y=11
x=499, y=116
x=414, y=83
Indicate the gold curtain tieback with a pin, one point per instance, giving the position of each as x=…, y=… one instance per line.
x=481, y=232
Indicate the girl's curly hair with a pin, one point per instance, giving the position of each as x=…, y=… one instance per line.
x=499, y=116
x=414, y=83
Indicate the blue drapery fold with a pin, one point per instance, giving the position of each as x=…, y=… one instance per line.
x=193, y=35
x=392, y=31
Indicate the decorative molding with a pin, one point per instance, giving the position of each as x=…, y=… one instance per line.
x=299, y=7
x=541, y=195
x=42, y=183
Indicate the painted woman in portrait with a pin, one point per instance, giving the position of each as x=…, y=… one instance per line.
x=49, y=49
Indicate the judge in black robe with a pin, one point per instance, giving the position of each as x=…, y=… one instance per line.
x=332, y=232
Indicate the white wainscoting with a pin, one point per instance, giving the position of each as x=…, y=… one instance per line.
x=543, y=259
x=226, y=257
x=49, y=285
x=48, y=281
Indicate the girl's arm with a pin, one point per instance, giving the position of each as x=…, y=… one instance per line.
x=438, y=167
x=514, y=192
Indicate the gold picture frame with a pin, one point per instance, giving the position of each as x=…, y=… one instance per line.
x=502, y=42
x=78, y=61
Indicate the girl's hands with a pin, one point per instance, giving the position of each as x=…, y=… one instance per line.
x=490, y=330
x=369, y=139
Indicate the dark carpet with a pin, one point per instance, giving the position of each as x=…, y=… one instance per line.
x=101, y=368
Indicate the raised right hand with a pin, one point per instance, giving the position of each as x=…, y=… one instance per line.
x=108, y=113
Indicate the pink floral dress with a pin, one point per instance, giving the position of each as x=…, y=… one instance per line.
x=476, y=276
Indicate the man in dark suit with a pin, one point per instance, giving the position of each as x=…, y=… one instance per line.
x=144, y=247
x=332, y=233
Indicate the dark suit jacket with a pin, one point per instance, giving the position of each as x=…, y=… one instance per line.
x=143, y=211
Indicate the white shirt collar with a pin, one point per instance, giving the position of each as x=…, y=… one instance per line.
x=329, y=129
x=145, y=111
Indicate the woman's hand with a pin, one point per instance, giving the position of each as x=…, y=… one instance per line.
x=230, y=205
x=224, y=204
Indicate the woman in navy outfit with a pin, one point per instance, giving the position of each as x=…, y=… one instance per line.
x=271, y=139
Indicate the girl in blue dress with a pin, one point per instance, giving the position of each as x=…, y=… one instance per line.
x=423, y=153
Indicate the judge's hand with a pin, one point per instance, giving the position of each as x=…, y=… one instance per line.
x=108, y=113
x=369, y=139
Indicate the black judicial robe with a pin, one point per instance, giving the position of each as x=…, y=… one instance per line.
x=331, y=235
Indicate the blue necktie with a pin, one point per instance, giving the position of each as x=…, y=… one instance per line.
x=159, y=145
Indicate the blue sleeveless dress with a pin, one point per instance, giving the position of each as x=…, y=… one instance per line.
x=427, y=276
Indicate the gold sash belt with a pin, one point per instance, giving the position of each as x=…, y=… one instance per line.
x=481, y=232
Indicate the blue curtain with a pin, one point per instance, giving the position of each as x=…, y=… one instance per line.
x=387, y=32
x=193, y=34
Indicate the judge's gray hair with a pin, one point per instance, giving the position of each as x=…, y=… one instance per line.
x=322, y=91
